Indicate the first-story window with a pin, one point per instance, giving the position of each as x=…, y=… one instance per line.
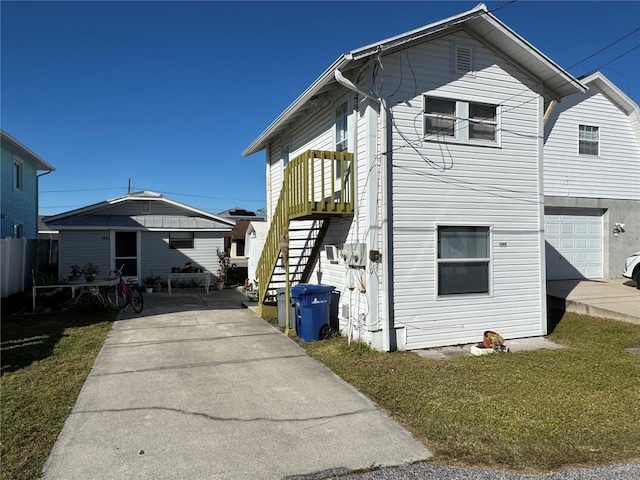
x=18, y=230
x=181, y=240
x=463, y=260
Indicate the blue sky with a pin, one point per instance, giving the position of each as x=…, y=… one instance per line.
x=169, y=94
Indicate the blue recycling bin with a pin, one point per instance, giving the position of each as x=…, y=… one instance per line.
x=312, y=310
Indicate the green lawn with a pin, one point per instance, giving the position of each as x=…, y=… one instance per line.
x=536, y=411
x=45, y=361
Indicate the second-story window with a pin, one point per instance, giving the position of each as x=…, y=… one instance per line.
x=588, y=140
x=482, y=122
x=447, y=120
x=439, y=117
x=342, y=133
x=18, y=174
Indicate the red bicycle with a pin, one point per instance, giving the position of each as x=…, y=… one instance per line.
x=122, y=294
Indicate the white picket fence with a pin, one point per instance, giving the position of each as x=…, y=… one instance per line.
x=16, y=261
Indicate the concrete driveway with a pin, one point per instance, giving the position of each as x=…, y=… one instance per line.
x=617, y=298
x=197, y=387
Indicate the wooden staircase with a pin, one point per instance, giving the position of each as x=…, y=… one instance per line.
x=317, y=185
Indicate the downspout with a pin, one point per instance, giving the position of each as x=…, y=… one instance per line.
x=389, y=341
x=38, y=195
x=38, y=199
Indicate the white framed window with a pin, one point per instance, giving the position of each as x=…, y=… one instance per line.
x=181, y=240
x=439, y=117
x=145, y=206
x=18, y=174
x=483, y=123
x=342, y=127
x=464, y=260
x=588, y=140
x=18, y=229
x=459, y=121
x=284, y=155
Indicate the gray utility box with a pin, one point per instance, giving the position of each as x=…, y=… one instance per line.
x=282, y=312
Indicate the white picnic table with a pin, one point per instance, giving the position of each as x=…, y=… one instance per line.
x=79, y=284
x=206, y=276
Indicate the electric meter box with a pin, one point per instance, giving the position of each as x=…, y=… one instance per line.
x=356, y=254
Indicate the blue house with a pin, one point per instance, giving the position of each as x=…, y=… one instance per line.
x=19, y=190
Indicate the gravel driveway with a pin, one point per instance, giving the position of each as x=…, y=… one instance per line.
x=431, y=471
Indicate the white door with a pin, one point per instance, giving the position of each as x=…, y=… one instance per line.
x=573, y=243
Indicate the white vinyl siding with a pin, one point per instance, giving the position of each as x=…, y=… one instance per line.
x=466, y=184
x=157, y=258
x=82, y=247
x=614, y=173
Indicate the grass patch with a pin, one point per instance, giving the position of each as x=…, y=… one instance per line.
x=537, y=411
x=45, y=361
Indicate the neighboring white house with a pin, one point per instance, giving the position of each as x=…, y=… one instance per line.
x=255, y=237
x=592, y=182
x=147, y=232
x=409, y=176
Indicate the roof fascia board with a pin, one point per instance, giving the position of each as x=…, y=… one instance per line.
x=40, y=163
x=612, y=91
x=77, y=211
x=417, y=34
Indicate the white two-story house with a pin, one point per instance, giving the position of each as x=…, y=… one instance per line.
x=409, y=176
x=592, y=182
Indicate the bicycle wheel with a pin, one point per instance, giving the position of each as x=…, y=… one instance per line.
x=136, y=300
x=112, y=296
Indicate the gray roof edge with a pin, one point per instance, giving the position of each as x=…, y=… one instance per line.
x=609, y=88
x=419, y=32
x=39, y=162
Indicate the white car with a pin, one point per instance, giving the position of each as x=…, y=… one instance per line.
x=632, y=268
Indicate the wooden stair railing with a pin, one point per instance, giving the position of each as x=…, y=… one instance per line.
x=317, y=185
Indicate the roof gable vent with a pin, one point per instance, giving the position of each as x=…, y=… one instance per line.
x=463, y=59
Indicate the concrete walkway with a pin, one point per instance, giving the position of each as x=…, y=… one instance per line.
x=618, y=299
x=197, y=387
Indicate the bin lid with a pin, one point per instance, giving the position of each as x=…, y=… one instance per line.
x=310, y=288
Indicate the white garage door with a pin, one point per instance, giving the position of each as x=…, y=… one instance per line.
x=574, y=243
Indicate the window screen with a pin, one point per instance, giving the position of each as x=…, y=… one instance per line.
x=463, y=260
